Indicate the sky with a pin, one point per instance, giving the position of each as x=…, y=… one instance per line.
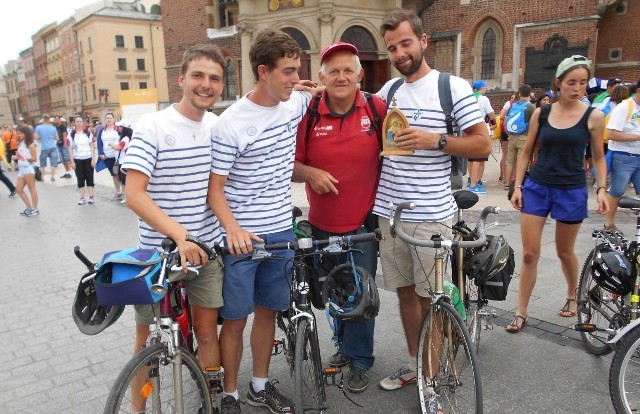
x=22, y=18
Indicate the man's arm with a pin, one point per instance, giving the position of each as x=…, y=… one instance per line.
x=238, y=239
x=320, y=181
x=475, y=143
x=615, y=135
x=143, y=205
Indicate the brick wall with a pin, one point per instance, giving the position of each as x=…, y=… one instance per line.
x=620, y=31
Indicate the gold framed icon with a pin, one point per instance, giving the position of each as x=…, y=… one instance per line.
x=393, y=122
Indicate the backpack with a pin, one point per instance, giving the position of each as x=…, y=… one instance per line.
x=516, y=119
x=314, y=118
x=630, y=108
x=458, y=164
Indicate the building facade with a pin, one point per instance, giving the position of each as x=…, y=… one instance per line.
x=30, y=105
x=70, y=71
x=13, y=91
x=505, y=43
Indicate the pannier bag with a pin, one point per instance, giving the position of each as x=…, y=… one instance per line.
x=125, y=277
x=491, y=267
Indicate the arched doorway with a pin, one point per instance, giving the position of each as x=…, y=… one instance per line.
x=376, y=71
x=305, y=59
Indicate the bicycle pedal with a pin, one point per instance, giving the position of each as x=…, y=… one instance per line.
x=278, y=346
x=486, y=313
x=329, y=375
x=585, y=327
x=488, y=326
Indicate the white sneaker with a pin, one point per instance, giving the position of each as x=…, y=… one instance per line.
x=82, y=202
x=433, y=402
x=400, y=378
x=123, y=201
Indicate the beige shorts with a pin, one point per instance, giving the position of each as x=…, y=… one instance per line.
x=515, y=147
x=406, y=265
x=204, y=289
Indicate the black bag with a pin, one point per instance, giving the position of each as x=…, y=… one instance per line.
x=38, y=173
x=497, y=287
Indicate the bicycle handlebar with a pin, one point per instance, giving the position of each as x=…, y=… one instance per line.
x=337, y=242
x=396, y=225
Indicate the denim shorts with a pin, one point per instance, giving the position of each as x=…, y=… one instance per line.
x=25, y=170
x=64, y=154
x=564, y=204
x=51, y=154
x=264, y=283
x=625, y=168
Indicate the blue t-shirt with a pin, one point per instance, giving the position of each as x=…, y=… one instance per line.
x=47, y=133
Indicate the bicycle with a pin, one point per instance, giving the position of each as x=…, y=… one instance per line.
x=603, y=309
x=447, y=365
x=165, y=376
x=300, y=343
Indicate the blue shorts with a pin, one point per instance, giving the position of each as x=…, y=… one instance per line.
x=25, y=170
x=51, y=154
x=625, y=168
x=64, y=155
x=564, y=204
x=264, y=283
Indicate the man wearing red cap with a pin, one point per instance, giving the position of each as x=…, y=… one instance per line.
x=337, y=156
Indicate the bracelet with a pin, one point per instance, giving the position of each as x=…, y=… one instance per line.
x=600, y=188
x=517, y=186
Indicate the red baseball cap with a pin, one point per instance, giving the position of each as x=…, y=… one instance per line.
x=334, y=47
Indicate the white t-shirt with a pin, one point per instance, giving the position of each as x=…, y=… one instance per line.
x=424, y=177
x=24, y=153
x=81, y=144
x=485, y=108
x=175, y=152
x=254, y=146
x=618, y=122
x=109, y=136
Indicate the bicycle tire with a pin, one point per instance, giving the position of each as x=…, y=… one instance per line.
x=457, y=379
x=471, y=304
x=591, y=299
x=624, y=373
x=308, y=379
x=154, y=363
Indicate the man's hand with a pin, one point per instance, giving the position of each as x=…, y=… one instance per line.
x=239, y=240
x=416, y=139
x=190, y=252
x=322, y=182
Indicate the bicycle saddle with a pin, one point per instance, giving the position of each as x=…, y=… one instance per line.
x=465, y=199
x=629, y=202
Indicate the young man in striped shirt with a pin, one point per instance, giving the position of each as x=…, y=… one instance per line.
x=423, y=177
x=250, y=192
x=168, y=166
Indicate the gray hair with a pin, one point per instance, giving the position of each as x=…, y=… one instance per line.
x=356, y=59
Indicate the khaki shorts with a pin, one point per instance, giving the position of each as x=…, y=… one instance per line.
x=204, y=289
x=407, y=265
x=515, y=147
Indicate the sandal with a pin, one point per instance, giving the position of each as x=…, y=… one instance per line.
x=514, y=327
x=565, y=312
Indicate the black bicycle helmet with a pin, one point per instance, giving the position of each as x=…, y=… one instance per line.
x=612, y=271
x=347, y=301
x=492, y=257
x=89, y=316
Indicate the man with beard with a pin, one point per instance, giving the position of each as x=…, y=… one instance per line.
x=423, y=177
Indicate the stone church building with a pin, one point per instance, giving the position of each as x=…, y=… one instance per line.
x=505, y=43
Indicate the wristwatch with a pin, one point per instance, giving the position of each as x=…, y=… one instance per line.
x=442, y=142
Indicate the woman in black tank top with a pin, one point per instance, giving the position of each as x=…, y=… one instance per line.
x=557, y=184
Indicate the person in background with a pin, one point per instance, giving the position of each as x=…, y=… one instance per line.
x=603, y=100
x=10, y=138
x=125, y=133
x=504, y=139
x=339, y=162
x=25, y=156
x=476, y=165
x=48, y=136
x=107, y=136
x=517, y=140
x=557, y=185
x=4, y=178
x=623, y=131
x=82, y=149
x=63, y=150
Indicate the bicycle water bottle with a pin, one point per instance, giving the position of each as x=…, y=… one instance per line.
x=452, y=291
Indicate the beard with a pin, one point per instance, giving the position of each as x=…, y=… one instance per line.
x=416, y=62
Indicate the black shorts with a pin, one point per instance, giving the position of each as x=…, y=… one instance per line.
x=504, y=136
x=478, y=159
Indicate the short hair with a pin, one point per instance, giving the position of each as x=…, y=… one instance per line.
x=393, y=20
x=524, y=90
x=619, y=93
x=206, y=50
x=269, y=46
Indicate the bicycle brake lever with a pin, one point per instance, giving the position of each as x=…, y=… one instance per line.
x=178, y=268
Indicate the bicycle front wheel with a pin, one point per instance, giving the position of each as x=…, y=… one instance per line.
x=471, y=304
x=624, y=374
x=447, y=363
x=148, y=384
x=597, y=306
x=309, y=385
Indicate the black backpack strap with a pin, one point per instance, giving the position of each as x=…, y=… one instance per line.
x=377, y=121
x=392, y=91
x=314, y=116
x=446, y=100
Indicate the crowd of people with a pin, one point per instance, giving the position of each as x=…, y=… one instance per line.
x=228, y=179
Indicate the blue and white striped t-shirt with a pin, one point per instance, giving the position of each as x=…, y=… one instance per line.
x=254, y=146
x=175, y=152
x=424, y=177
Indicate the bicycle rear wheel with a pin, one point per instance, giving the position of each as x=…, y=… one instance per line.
x=597, y=306
x=146, y=384
x=624, y=374
x=308, y=381
x=444, y=341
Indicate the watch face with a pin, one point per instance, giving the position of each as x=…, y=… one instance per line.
x=443, y=141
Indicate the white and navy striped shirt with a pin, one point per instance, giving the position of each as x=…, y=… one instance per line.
x=254, y=146
x=424, y=177
x=175, y=152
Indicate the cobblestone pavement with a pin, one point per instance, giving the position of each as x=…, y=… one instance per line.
x=48, y=366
